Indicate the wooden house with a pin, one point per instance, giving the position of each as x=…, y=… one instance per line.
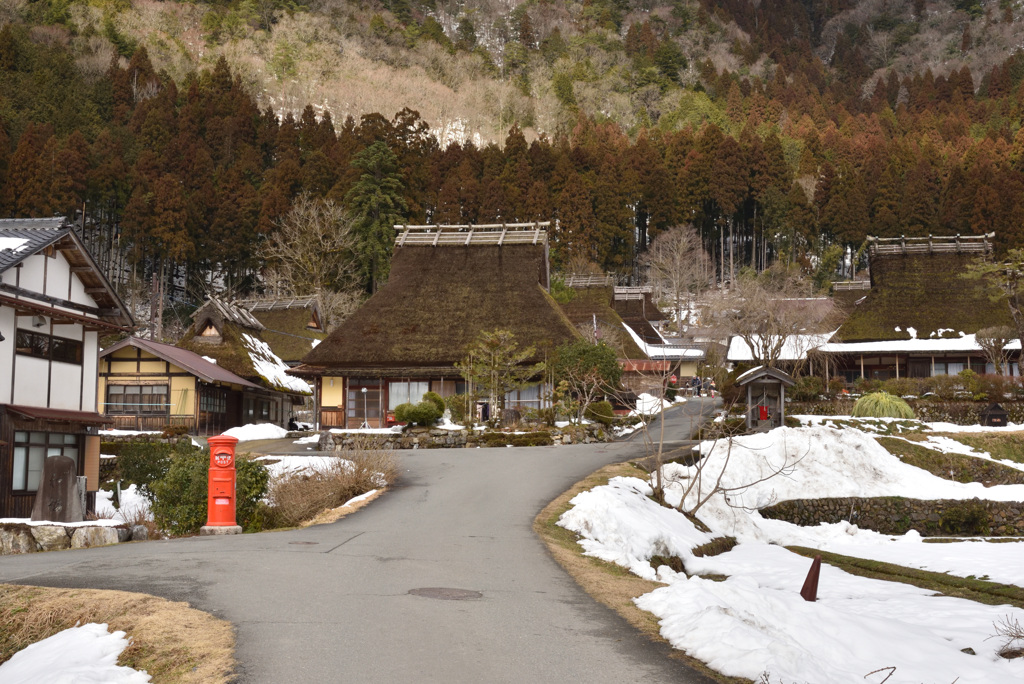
x=232, y=337
x=292, y=326
x=447, y=285
x=919, y=316
x=54, y=304
x=147, y=385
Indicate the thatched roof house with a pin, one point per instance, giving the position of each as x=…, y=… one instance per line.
x=232, y=337
x=919, y=316
x=292, y=326
x=593, y=305
x=447, y=285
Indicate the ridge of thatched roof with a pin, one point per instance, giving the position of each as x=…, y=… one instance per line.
x=217, y=310
x=437, y=300
x=923, y=291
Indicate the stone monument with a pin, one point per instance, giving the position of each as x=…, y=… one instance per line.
x=58, y=498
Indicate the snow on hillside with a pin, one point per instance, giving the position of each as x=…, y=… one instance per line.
x=755, y=621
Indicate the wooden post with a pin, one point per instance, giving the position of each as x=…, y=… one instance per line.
x=862, y=366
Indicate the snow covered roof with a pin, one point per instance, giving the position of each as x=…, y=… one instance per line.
x=794, y=348
x=666, y=351
x=21, y=238
x=202, y=367
x=759, y=372
x=934, y=345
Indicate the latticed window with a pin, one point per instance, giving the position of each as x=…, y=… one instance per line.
x=32, y=448
x=137, y=399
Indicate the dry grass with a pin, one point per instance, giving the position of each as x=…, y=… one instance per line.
x=174, y=643
x=607, y=583
x=299, y=498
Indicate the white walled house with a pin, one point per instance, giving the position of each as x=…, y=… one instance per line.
x=54, y=305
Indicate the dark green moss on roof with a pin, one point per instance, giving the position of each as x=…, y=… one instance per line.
x=925, y=292
x=287, y=332
x=591, y=301
x=438, y=299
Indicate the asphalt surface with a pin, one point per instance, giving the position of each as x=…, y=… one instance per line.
x=332, y=603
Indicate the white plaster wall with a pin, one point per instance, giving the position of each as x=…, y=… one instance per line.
x=32, y=272
x=30, y=380
x=6, y=352
x=58, y=277
x=66, y=386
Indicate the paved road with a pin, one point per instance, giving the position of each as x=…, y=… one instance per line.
x=332, y=603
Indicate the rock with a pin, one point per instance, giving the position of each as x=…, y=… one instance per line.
x=17, y=539
x=140, y=533
x=326, y=441
x=86, y=537
x=51, y=537
x=124, y=534
x=968, y=651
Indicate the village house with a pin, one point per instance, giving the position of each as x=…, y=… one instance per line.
x=447, y=285
x=919, y=316
x=232, y=337
x=147, y=385
x=54, y=305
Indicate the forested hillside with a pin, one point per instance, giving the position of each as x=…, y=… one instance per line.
x=777, y=128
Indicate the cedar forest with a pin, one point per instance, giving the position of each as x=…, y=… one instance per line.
x=799, y=161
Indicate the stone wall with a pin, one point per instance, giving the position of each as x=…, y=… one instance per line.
x=436, y=438
x=957, y=412
x=22, y=538
x=897, y=515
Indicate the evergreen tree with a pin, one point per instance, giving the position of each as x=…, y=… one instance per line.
x=376, y=204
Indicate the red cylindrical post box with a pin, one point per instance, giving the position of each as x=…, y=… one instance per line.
x=220, y=503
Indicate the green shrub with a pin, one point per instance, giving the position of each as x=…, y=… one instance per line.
x=179, y=497
x=808, y=388
x=143, y=463
x=836, y=387
x=436, y=399
x=902, y=387
x=423, y=413
x=968, y=517
x=881, y=405
x=538, y=438
x=458, y=407
x=600, y=412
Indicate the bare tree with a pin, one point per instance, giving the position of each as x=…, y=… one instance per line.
x=773, y=311
x=311, y=253
x=679, y=268
x=993, y=342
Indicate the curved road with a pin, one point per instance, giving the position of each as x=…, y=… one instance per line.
x=332, y=603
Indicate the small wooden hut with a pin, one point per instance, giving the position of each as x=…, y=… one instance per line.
x=766, y=396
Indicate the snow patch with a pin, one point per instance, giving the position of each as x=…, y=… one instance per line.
x=271, y=368
x=86, y=654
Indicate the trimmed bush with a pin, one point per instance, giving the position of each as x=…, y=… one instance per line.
x=179, y=497
x=436, y=399
x=600, y=412
x=881, y=405
x=808, y=388
x=142, y=463
x=424, y=413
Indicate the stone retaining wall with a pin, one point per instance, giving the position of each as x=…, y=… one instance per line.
x=436, y=438
x=22, y=538
x=957, y=412
x=897, y=515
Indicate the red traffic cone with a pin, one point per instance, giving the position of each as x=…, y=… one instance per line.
x=810, y=590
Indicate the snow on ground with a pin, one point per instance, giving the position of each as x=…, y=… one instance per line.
x=299, y=464
x=86, y=654
x=312, y=439
x=902, y=424
x=85, y=523
x=367, y=431
x=254, y=431
x=756, y=621
x=128, y=433
x=648, y=405
x=134, y=506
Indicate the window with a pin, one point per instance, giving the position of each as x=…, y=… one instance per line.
x=406, y=393
x=43, y=346
x=32, y=448
x=213, y=400
x=135, y=399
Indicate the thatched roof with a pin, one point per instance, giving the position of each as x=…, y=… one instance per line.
x=923, y=291
x=291, y=324
x=435, y=303
x=589, y=302
x=238, y=346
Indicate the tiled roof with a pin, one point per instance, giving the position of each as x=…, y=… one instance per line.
x=36, y=233
x=190, y=361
